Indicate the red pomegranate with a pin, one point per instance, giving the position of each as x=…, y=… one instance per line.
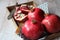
x=32, y=29
x=52, y=23
x=36, y=14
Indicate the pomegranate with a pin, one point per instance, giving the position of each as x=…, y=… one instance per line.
x=24, y=9
x=36, y=14
x=32, y=29
x=18, y=15
x=52, y=23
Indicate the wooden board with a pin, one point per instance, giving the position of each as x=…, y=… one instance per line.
x=18, y=23
x=50, y=37
x=53, y=36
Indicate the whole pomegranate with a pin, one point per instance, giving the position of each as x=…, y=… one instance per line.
x=36, y=14
x=52, y=23
x=32, y=29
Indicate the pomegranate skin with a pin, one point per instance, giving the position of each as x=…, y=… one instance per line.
x=24, y=8
x=32, y=30
x=36, y=14
x=52, y=23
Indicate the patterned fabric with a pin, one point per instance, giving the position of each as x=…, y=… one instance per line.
x=44, y=7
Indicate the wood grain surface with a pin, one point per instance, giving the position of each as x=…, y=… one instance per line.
x=53, y=36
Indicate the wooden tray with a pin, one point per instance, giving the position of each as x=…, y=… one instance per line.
x=50, y=37
x=12, y=7
x=53, y=36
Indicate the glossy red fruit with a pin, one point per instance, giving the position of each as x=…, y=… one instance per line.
x=37, y=14
x=32, y=29
x=52, y=23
